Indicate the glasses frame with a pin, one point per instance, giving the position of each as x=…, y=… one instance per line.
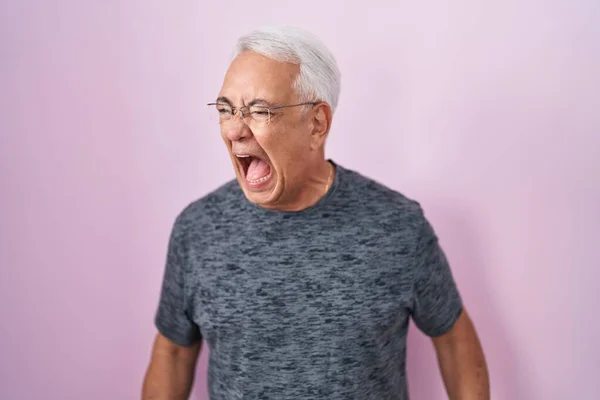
x=270, y=109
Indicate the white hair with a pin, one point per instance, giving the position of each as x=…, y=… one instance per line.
x=319, y=77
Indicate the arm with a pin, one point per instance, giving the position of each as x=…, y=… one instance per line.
x=462, y=362
x=170, y=374
x=439, y=312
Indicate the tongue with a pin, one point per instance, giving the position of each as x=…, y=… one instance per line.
x=257, y=169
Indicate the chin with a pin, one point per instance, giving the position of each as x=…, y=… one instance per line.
x=263, y=198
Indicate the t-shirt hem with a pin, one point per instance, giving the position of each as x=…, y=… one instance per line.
x=445, y=328
x=173, y=336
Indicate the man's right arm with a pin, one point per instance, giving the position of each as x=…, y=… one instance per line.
x=170, y=374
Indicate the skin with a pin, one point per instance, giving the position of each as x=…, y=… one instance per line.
x=462, y=362
x=293, y=146
x=170, y=375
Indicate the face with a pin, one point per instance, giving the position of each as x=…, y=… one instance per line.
x=276, y=162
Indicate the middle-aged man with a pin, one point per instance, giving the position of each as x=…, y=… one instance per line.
x=302, y=275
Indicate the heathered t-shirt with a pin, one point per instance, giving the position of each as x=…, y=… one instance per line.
x=313, y=304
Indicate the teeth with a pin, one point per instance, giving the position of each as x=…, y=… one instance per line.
x=242, y=155
x=264, y=178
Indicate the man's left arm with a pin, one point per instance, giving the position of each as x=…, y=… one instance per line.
x=462, y=362
x=439, y=312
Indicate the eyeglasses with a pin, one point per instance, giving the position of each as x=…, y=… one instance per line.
x=260, y=115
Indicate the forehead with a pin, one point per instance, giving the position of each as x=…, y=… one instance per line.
x=251, y=75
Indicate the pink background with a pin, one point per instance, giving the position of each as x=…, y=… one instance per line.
x=488, y=113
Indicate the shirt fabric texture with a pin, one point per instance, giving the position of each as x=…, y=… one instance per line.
x=313, y=304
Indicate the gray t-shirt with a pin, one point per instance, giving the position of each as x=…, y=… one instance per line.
x=312, y=304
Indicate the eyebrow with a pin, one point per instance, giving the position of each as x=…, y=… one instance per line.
x=224, y=99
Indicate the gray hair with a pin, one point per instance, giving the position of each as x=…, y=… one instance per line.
x=319, y=77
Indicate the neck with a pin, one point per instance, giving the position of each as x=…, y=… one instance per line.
x=320, y=179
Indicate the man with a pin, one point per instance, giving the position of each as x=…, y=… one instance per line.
x=301, y=275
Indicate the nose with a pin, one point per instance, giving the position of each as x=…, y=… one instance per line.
x=236, y=129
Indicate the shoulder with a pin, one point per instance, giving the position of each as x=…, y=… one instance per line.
x=381, y=201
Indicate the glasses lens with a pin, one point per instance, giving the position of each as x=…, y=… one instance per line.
x=260, y=114
x=224, y=112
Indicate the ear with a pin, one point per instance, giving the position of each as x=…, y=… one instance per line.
x=321, y=123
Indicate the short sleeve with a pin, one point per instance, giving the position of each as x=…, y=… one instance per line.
x=437, y=303
x=172, y=316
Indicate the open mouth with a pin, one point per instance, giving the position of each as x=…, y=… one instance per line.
x=256, y=170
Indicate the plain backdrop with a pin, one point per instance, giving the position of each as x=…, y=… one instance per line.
x=486, y=112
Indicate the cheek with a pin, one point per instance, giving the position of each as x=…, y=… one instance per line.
x=268, y=141
x=279, y=145
x=285, y=144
